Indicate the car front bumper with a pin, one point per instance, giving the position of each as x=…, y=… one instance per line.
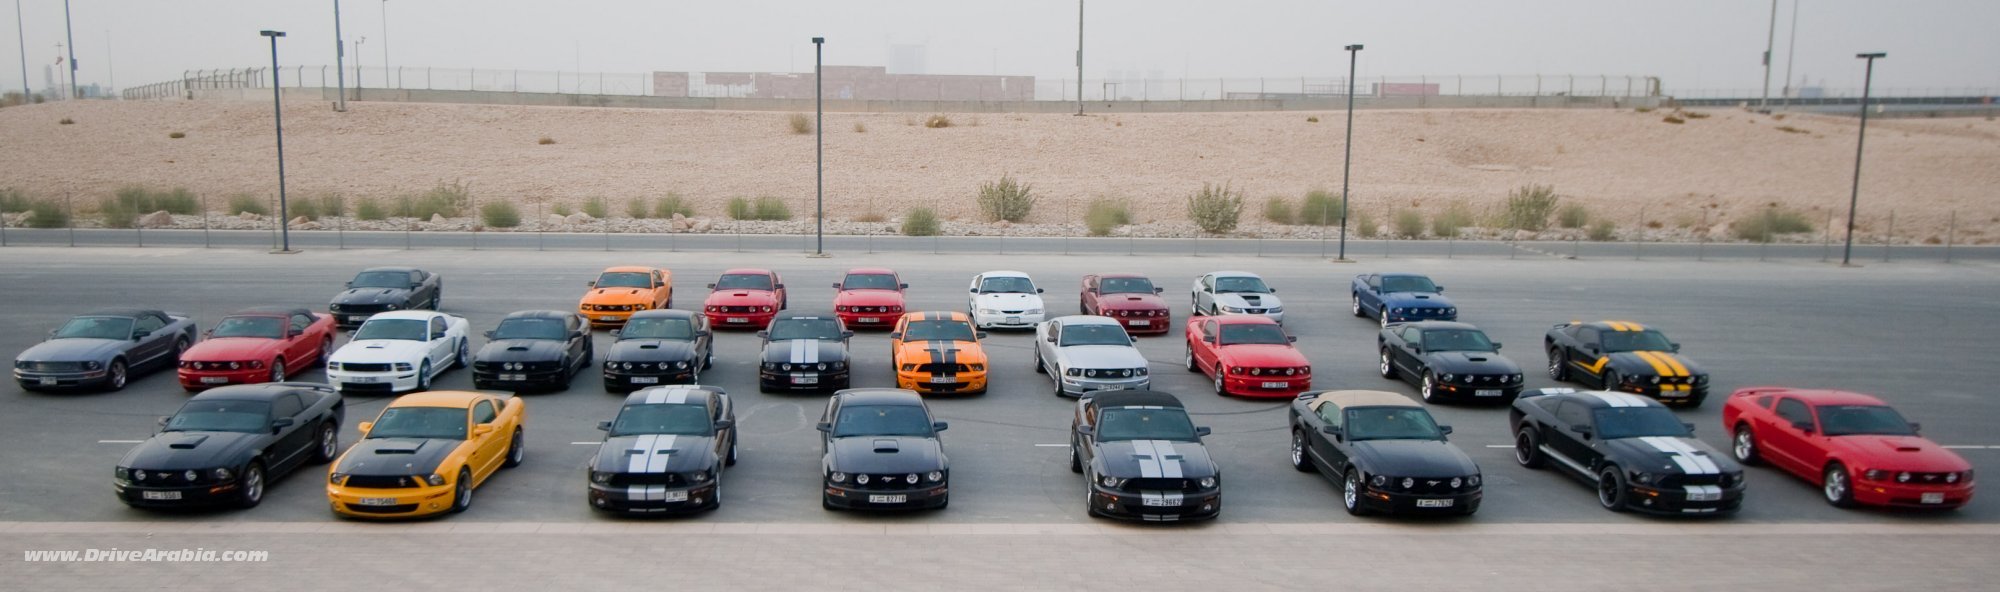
x=520, y=379
x=1148, y=325
x=1390, y=502
x=802, y=381
x=634, y=381
x=873, y=320
x=1410, y=317
x=1079, y=386
x=373, y=382
x=1468, y=392
x=740, y=320
x=201, y=379
x=653, y=499
x=603, y=318
x=1670, y=394
x=874, y=499
x=1900, y=495
x=1276, y=317
x=1001, y=320
x=408, y=502
x=1244, y=385
x=962, y=382
x=1678, y=500
x=56, y=380
x=1168, y=506
x=187, y=496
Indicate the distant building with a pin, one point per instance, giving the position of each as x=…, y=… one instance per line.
x=846, y=82
x=909, y=58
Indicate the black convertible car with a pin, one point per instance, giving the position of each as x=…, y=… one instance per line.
x=1385, y=451
x=1447, y=361
x=533, y=349
x=224, y=446
x=383, y=289
x=880, y=451
x=1142, y=458
x=1626, y=357
x=804, y=353
x=1637, y=452
x=659, y=346
x=665, y=451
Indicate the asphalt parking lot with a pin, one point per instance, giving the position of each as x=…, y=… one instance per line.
x=1916, y=334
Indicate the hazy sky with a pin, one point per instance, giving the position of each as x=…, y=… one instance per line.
x=1691, y=44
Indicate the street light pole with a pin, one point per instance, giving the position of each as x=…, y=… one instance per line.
x=385, y=46
x=278, y=116
x=1079, y=57
x=71, y=36
x=1347, y=160
x=1792, y=47
x=339, y=62
x=21, y=32
x=819, y=148
x=357, y=65
x=1770, y=42
x=1853, y=199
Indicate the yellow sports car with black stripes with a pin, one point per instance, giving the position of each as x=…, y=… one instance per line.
x=1625, y=357
x=938, y=352
x=425, y=453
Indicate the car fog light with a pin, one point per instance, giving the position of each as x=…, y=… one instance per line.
x=191, y=475
x=1409, y=483
x=911, y=479
x=1457, y=482
x=935, y=476
x=861, y=479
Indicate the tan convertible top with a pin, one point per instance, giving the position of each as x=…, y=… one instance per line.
x=1361, y=399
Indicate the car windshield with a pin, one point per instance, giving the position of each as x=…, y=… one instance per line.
x=1241, y=334
x=1407, y=283
x=1132, y=423
x=868, y=281
x=1006, y=285
x=404, y=329
x=1125, y=286
x=625, y=279
x=250, y=326
x=420, y=422
x=687, y=419
x=249, y=417
x=96, y=328
x=785, y=329
x=1625, y=341
x=381, y=279
x=881, y=420
x=1855, y=420
x=657, y=328
x=744, y=281
x=938, y=331
x=1243, y=284
x=1391, y=423
x=1638, y=422
x=1106, y=334
x=1443, y=340
x=531, y=328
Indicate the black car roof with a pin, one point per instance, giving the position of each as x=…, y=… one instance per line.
x=1604, y=399
x=123, y=312
x=538, y=314
x=1134, y=399
x=1442, y=325
x=271, y=311
x=663, y=313
x=402, y=269
x=879, y=396
x=696, y=394
x=250, y=392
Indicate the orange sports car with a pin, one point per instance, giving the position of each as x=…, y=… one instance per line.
x=621, y=291
x=938, y=352
x=425, y=453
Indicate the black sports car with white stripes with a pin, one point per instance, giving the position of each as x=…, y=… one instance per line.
x=1142, y=458
x=665, y=452
x=1640, y=456
x=804, y=353
x=658, y=346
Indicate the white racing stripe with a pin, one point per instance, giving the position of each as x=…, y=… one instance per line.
x=798, y=351
x=1170, y=459
x=1692, y=461
x=1617, y=399
x=1149, y=458
x=642, y=449
x=657, y=461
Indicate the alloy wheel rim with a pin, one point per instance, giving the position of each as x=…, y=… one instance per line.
x=1555, y=365
x=1385, y=363
x=253, y=487
x=277, y=372
x=516, y=450
x=1298, y=446
x=1522, y=448
x=118, y=375
x=1356, y=306
x=1836, y=485
x=1743, y=445
x=1350, y=493
x=1428, y=389
x=1218, y=381
x=1607, y=491
x=327, y=441
x=464, y=491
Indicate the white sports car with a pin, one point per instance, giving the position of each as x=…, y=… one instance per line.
x=1236, y=292
x=1085, y=354
x=399, y=351
x=1006, y=299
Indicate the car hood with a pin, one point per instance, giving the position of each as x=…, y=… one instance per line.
x=172, y=451
x=396, y=456
x=1263, y=354
x=381, y=350
x=522, y=350
x=651, y=350
x=231, y=349
x=1665, y=454
x=805, y=351
x=372, y=296
x=868, y=298
x=73, y=350
x=1413, y=458
x=1147, y=301
x=885, y=454
x=1102, y=356
x=1010, y=301
x=1897, y=453
x=1246, y=300
x=1420, y=299
x=1636, y=364
x=1169, y=459
x=941, y=352
x=1461, y=362
x=742, y=298
x=649, y=453
x=618, y=296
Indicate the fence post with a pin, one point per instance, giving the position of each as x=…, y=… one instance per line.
x=1826, y=239
x=541, y=225
x=1642, y=234
x=340, y=222
x=475, y=214
x=605, y=224
x=69, y=205
x=3, y=229
x=1950, y=226
x=204, y=221
x=1702, y=244
x=1890, y=238
x=409, y=225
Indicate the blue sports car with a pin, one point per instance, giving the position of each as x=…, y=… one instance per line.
x=1401, y=297
x=104, y=348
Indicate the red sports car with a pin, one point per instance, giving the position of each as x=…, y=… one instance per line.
x=869, y=297
x=263, y=344
x=747, y=298
x=1857, y=449
x=1247, y=355
x=1129, y=297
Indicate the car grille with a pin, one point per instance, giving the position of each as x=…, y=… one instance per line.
x=867, y=309
x=1143, y=314
x=942, y=368
x=523, y=366
x=358, y=308
x=170, y=478
x=667, y=479
x=216, y=366
x=353, y=367
x=382, y=481
x=1424, y=312
x=1429, y=486
x=1159, y=484
x=396, y=509
x=1485, y=379
x=1681, y=480
x=889, y=482
x=1930, y=478
x=50, y=366
x=612, y=307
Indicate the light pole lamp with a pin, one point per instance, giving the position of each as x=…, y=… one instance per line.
x=1347, y=160
x=339, y=63
x=1854, y=198
x=278, y=116
x=819, y=148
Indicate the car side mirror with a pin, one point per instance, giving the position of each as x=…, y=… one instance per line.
x=614, y=333
x=1291, y=339
x=52, y=333
x=1086, y=430
x=1134, y=339
x=763, y=334
x=723, y=424
x=436, y=336
x=1039, y=290
x=972, y=290
x=1582, y=430
x=163, y=420
x=482, y=429
x=1496, y=345
x=939, y=426
x=1200, y=431
x=846, y=334
x=1440, y=289
x=896, y=335
x=604, y=426
x=701, y=333
x=979, y=335
x=488, y=334
x=1417, y=349
x=138, y=335
x=1916, y=427
x=365, y=427
x=281, y=423
x=1444, y=430
x=1159, y=290
x=1676, y=347
x=904, y=286
x=711, y=286
x=348, y=284
x=590, y=284
x=1050, y=339
x=836, y=285
x=824, y=426
x=208, y=333
x=779, y=287
x=1330, y=429
x=1689, y=426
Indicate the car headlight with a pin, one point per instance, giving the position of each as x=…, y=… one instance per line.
x=911, y=478
x=1073, y=372
x=1701, y=379
x=1207, y=483
x=861, y=479
x=1457, y=482
x=1110, y=482
x=1396, y=311
x=987, y=311
x=767, y=309
x=392, y=307
x=333, y=366
x=1274, y=310
x=1034, y=311
x=93, y=365
x=1472, y=481
x=1875, y=474
x=786, y=367
x=1138, y=371
x=235, y=365
x=680, y=365
x=1448, y=377
x=1903, y=477
x=701, y=476
x=822, y=366
x=404, y=367
x=1656, y=380
x=1409, y=483
x=837, y=477
x=221, y=473
x=839, y=365
x=935, y=476
x=1231, y=309
x=1378, y=481
x=1090, y=373
x=435, y=479
x=336, y=478
x=1951, y=477
x=122, y=473
x=600, y=478
x=610, y=365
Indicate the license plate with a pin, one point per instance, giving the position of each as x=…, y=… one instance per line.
x=160, y=495
x=870, y=319
x=888, y=499
x=1486, y=393
x=1155, y=502
x=737, y=320
x=1013, y=320
x=1111, y=387
x=645, y=380
x=363, y=380
x=1141, y=323
x=805, y=380
x=376, y=501
x=675, y=496
x=1666, y=394
x=1699, y=496
x=47, y=381
x=607, y=318
x=1435, y=503
x=1932, y=498
x=942, y=380
x=513, y=377
x=214, y=380
x=1276, y=385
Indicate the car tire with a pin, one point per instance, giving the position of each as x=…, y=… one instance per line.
x=326, y=444
x=708, y=360
x=1350, y=494
x=1075, y=460
x=1090, y=494
x=1609, y=380
x=459, y=358
x=461, y=492
x=250, y=490
x=1355, y=307
x=517, y=451
x=1221, y=383
x=117, y=374
x=1528, y=448
x=1385, y=366
x=1039, y=367
x=278, y=370
x=1385, y=316
x=1743, y=446
x=181, y=346
x=1428, y=389
x=424, y=376
x=1189, y=362
x=731, y=459
x=715, y=495
x=437, y=301
x=1611, y=488
x=1059, y=388
x=1837, y=486
x=1300, y=461
x=1558, y=365
x=325, y=351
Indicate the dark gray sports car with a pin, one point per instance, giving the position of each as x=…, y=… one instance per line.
x=383, y=289
x=1447, y=361
x=534, y=349
x=665, y=452
x=660, y=346
x=225, y=445
x=105, y=348
x=881, y=451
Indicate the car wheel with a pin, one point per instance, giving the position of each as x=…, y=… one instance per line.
x=708, y=360
x=461, y=492
x=1189, y=362
x=1385, y=367
x=1837, y=486
x=589, y=355
x=437, y=301
x=516, y=451
x=1355, y=307
x=325, y=351
x=327, y=444
x=1194, y=305
x=1075, y=460
x=1609, y=380
x=732, y=453
x=1221, y=390
x=180, y=347
x=1744, y=445
x=1385, y=316
x=1558, y=365
x=1059, y=387
x=715, y=495
x=1611, y=488
x=117, y=375
x=1299, y=460
x=424, y=376
x=1528, y=448
x=1039, y=367
x=250, y=488
x=1090, y=496
x=1429, y=388
x=1350, y=494
x=278, y=370
x=459, y=358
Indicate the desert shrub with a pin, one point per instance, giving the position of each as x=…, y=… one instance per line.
x=1673, y=120
x=1363, y=224
x=1278, y=210
x=1319, y=208
x=1572, y=216
x=1792, y=130
x=449, y=200
x=937, y=121
x=47, y=213
x=176, y=135
x=1312, y=119
x=1642, y=110
x=13, y=200
x=1601, y=230
x=544, y=141
x=801, y=124
x=860, y=128
x=871, y=216
x=921, y=222
x=1528, y=208
x=1770, y=222
x=13, y=98
x=331, y=204
x=596, y=207
x=1451, y=221
x=1692, y=114
x=1006, y=199
x=772, y=208
x=244, y=202
x=561, y=209
x=671, y=204
x=1104, y=214
x=1215, y=208
x=637, y=208
x=370, y=209
x=499, y=214
x=303, y=206
x=1409, y=223
x=127, y=204
x=66, y=121
x=740, y=209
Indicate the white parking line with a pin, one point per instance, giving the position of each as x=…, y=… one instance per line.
x=1052, y=446
x=120, y=441
x=1499, y=445
x=1970, y=447
x=584, y=443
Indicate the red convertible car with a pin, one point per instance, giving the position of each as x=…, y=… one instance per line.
x=1248, y=356
x=869, y=297
x=745, y=298
x=1857, y=449
x=263, y=344
x=1129, y=297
